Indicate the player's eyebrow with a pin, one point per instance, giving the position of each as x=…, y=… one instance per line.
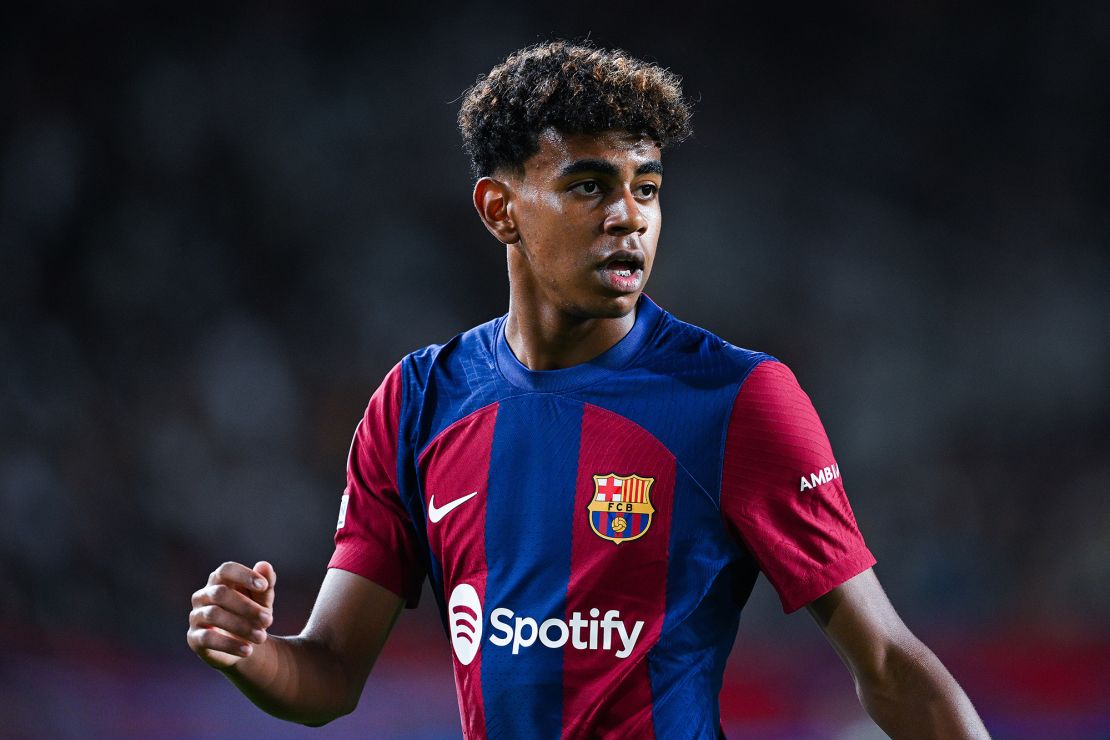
x=602, y=167
x=599, y=166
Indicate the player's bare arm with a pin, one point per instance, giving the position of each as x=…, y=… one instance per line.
x=310, y=678
x=900, y=682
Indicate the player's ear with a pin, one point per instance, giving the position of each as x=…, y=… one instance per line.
x=491, y=199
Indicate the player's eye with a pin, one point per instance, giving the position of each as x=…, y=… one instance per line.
x=647, y=190
x=589, y=187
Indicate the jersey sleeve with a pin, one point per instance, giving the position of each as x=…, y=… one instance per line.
x=781, y=490
x=375, y=537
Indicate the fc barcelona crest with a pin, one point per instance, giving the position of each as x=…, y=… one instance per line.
x=620, y=510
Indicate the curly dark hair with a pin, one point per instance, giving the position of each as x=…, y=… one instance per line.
x=573, y=87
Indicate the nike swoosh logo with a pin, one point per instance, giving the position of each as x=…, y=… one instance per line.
x=436, y=514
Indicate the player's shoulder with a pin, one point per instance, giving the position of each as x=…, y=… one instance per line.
x=464, y=356
x=761, y=375
x=690, y=350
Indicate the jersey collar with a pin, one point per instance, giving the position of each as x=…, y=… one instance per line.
x=609, y=361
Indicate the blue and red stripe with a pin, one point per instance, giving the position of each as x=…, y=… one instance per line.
x=529, y=557
x=603, y=694
x=461, y=457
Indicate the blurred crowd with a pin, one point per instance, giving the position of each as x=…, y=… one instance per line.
x=218, y=234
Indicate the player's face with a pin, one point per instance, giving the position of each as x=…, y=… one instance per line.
x=588, y=218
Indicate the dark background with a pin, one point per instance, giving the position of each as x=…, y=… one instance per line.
x=219, y=231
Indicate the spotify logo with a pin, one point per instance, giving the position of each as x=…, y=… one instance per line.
x=591, y=629
x=465, y=615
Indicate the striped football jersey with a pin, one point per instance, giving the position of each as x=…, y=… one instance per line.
x=591, y=534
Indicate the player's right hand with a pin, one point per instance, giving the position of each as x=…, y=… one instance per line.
x=231, y=613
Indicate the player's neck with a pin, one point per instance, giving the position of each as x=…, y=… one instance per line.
x=544, y=338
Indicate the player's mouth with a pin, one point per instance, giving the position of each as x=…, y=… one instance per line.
x=623, y=271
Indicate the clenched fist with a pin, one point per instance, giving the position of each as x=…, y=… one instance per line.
x=231, y=613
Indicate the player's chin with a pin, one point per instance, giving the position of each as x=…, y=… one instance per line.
x=616, y=306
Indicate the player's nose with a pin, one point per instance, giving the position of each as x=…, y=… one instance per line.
x=625, y=217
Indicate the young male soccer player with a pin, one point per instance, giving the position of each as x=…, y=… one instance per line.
x=590, y=484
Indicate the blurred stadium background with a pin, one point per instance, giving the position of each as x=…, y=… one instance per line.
x=218, y=232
